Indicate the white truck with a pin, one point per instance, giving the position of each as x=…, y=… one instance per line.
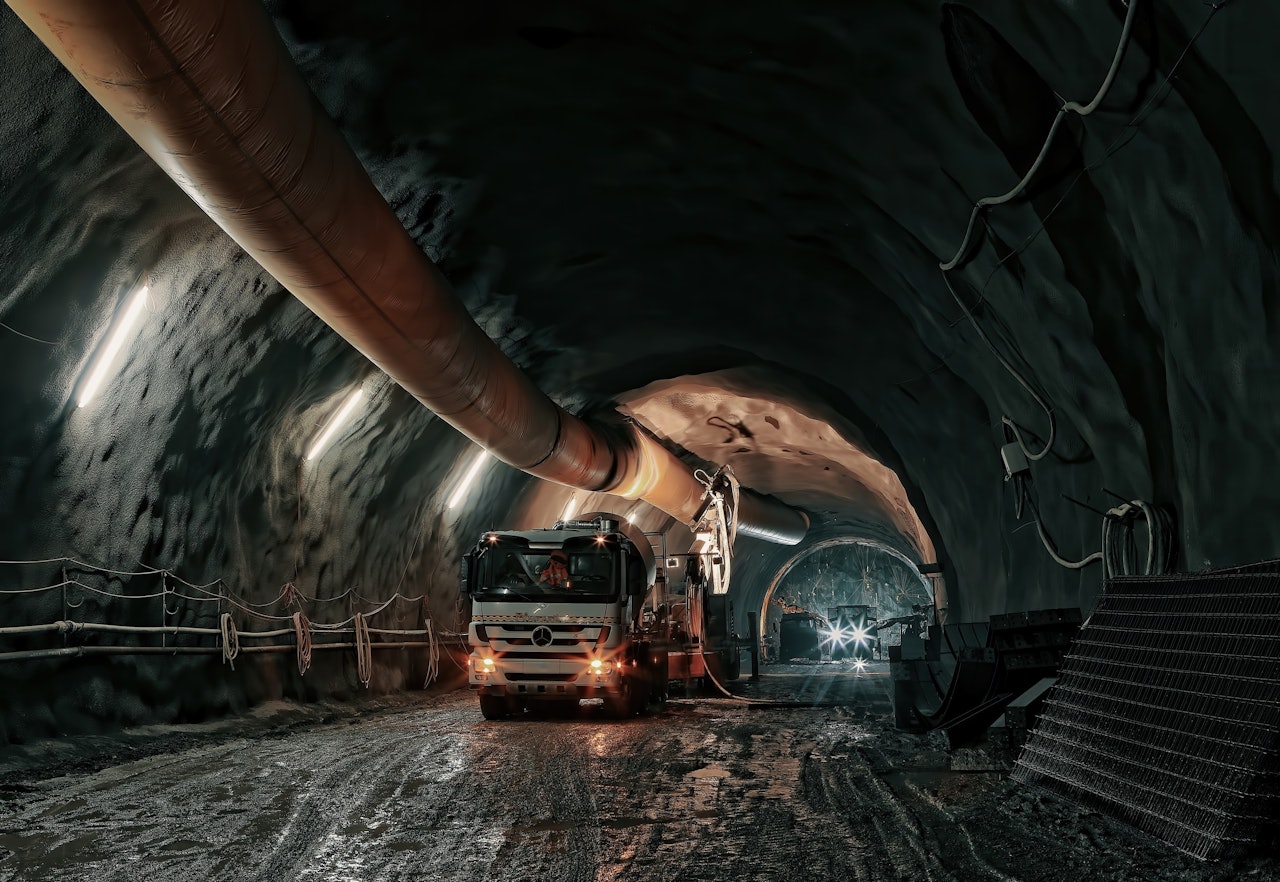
x=580, y=611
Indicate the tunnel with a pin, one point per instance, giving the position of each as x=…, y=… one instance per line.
x=957, y=313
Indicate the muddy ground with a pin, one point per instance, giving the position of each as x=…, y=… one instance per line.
x=423, y=788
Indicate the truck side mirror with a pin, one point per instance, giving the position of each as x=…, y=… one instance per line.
x=464, y=574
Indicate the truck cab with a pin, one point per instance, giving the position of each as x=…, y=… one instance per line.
x=556, y=618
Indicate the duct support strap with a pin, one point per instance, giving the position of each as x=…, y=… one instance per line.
x=210, y=92
x=1167, y=710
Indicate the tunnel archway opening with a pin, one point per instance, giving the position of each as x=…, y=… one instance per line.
x=825, y=580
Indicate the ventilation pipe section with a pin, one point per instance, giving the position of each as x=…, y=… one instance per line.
x=210, y=92
x=763, y=517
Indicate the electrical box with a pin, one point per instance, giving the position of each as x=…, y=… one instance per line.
x=1015, y=461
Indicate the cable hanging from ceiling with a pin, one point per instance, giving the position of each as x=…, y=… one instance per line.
x=1119, y=544
x=990, y=201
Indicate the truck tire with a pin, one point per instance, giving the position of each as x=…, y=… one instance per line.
x=493, y=707
x=622, y=705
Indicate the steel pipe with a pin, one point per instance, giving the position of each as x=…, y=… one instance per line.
x=210, y=92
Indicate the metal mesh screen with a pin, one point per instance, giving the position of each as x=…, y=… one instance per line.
x=1167, y=710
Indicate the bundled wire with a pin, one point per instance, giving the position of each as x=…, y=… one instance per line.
x=230, y=639
x=1120, y=545
x=1119, y=553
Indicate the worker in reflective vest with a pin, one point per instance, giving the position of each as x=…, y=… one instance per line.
x=557, y=572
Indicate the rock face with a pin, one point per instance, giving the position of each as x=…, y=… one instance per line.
x=744, y=204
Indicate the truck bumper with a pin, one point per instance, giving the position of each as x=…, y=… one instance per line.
x=549, y=691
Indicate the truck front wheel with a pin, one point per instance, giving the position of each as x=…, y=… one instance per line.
x=621, y=706
x=494, y=707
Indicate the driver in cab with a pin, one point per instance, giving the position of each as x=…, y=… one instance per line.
x=556, y=574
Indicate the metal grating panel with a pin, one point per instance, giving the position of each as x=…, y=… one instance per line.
x=1167, y=710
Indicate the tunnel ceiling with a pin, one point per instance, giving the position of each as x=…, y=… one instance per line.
x=755, y=424
x=631, y=198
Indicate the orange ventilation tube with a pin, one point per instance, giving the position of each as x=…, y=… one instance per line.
x=209, y=91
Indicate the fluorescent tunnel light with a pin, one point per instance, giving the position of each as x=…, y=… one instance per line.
x=465, y=484
x=335, y=423
x=115, y=343
x=570, y=508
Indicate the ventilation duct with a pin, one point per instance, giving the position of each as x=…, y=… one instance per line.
x=210, y=92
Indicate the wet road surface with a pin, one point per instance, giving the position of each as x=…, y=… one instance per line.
x=703, y=790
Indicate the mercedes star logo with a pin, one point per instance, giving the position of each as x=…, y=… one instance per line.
x=542, y=636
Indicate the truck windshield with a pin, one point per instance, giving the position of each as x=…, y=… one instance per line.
x=534, y=573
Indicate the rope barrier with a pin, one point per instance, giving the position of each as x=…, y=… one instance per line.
x=70, y=627
x=229, y=637
x=76, y=651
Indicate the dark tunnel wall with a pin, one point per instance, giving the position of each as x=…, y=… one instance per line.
x=190, y=459
x=612, y=189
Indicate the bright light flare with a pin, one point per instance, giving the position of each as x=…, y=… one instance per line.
x=570, y=508
x=859, y=664
x=465, y=484
x=837, y=637
x=860, y=635
x=114, y=344
x=335, y=423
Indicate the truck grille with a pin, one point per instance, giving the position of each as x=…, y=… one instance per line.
x=514, y=635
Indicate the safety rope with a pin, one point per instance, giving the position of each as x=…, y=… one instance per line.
x=433, y=655
x=302, y=639
x=230, y=640
x=229, y=636
x=364, y=655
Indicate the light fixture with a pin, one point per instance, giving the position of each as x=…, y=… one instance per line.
x=465, y=484
x=114, y=344
x=335, y=423
x=570, y=508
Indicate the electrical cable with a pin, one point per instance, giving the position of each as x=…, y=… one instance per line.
x=989, y=201
x=1128, y=132
x=1119, y=554
x=1067, y=107
x=1022, y=381
x=1051, y=547
x=11, y=329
